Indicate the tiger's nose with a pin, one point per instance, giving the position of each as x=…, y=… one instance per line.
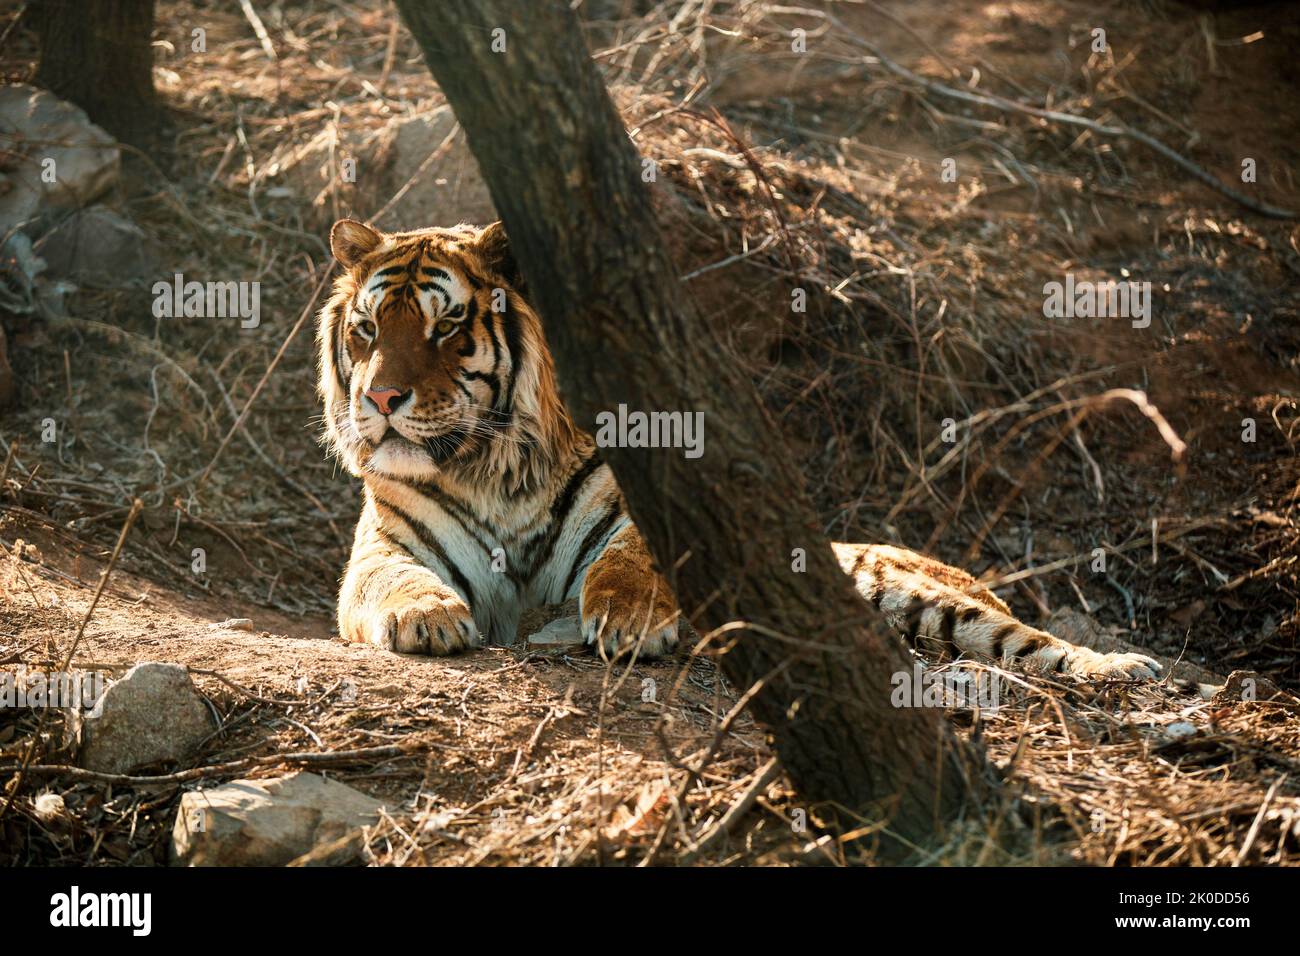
x=386, y=399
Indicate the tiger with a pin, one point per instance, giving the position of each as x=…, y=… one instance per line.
x=482, y=497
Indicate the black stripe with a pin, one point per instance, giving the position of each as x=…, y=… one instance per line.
x=598, y=535
x=912, y=618
x=338, y=347
x=470, y=347
x=431, y=542
x=563, y=503
x=490, y=323
x=390, y=271
x=878, y=579
x=394, y=542
x=486, y=321
x=946, y=626
x=464, y=518
x=559, y=511
x=435, y=271
x=434, y=287
x=969, y=614
x=1031, y=644
x=437, y=447
x=523, y=459
x=449, y=504
x=514, y=346
x=998, y=637
x=492, y=383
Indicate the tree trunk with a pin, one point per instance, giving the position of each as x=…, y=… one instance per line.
x=566, y=180
x=99, y=55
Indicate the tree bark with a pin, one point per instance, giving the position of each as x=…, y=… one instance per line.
x=567, y=183
x=99, y=55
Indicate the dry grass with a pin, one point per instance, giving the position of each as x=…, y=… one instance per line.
x=511, y=758
x=924, y=305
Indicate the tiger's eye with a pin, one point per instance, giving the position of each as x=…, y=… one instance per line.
x=444, y=326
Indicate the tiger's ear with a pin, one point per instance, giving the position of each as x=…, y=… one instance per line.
x=351, y=241
x=493, y=248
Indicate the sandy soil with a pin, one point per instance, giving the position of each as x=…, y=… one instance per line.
x=518, y=758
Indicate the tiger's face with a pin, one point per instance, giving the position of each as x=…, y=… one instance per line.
x=430, y=359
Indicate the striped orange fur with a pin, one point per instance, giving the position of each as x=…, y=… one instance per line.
x=482, y=498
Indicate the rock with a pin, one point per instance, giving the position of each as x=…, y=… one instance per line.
x=97, y=247
x=20, y=269
x=152, y=715
x=347, y=850
x=564, y=633
x=1248, y=686
x=552, y=627
x=28, y=291
x=36, y=127
x=1077, y=628
x=536, y=618
x=271, y=822
x=26, y=551
x=6, y=371
x=1082, y=629
x=449, y=191
x=557, y=627
x=233, y=624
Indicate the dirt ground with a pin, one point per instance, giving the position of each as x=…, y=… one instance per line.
x=927, y=307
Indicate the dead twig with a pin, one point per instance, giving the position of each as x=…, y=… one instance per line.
x=769, y=772
x=1055, y=116
x=16, y=785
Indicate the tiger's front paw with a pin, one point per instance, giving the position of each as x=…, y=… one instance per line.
x=619, y=614
x=428, y=624
x=1087, y=663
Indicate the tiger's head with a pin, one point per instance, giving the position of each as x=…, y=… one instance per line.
x=432, y=362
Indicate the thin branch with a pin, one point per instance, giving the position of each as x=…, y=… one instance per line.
x=16, y=786
x=1121, y=130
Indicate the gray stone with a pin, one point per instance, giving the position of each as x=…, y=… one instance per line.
x=271, y=822
x=551, y=627
x=535, y=619
x=562, y=633
x=27, y=290
x=233, y=624
x=558, y=627
x=1249, y=686
x=36, y=126
x=152, y=715
x=1084, y=630
x=97, y=247
x=6, y=371
x=448, y=191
